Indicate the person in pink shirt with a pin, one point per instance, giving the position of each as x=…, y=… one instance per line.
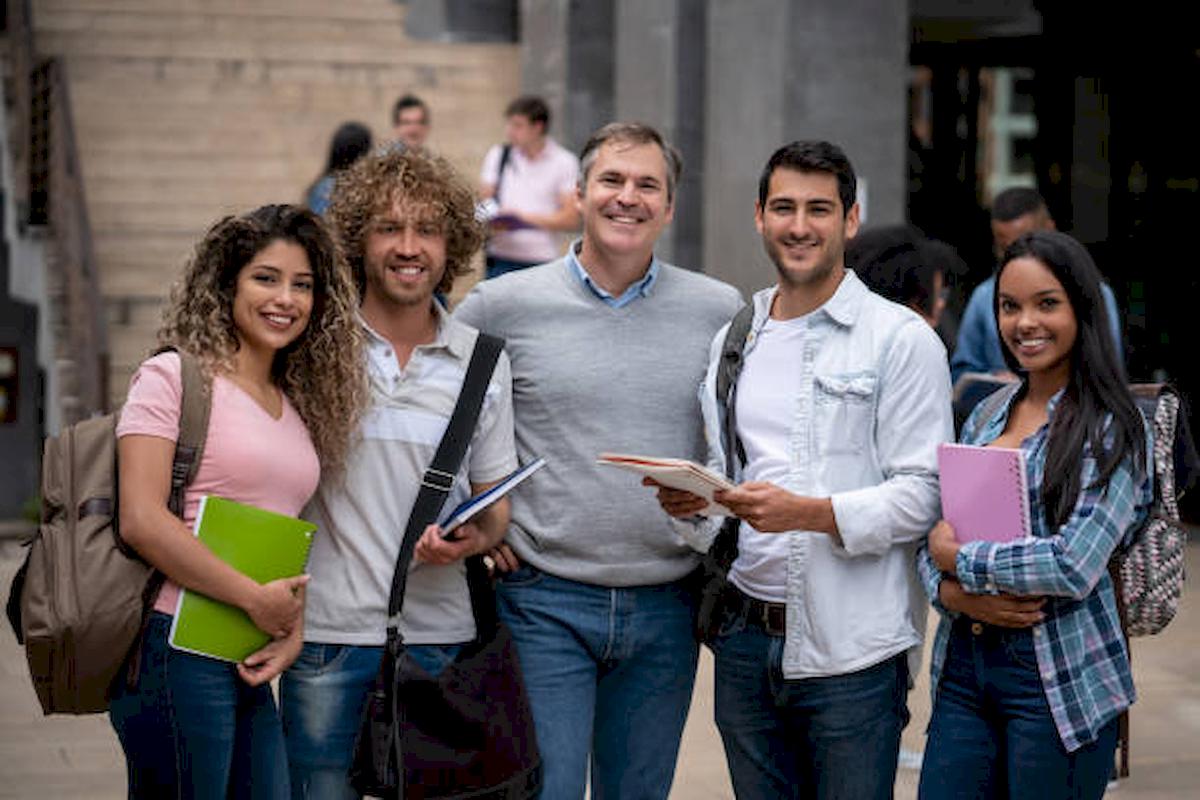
x=267, y=307
x=528, y=186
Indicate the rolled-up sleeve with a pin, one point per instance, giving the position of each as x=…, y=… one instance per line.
x=913, y=417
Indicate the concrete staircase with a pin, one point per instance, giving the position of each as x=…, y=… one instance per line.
x=188, y=110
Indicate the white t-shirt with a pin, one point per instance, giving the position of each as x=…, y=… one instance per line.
x=534, y=185
x=767, y=402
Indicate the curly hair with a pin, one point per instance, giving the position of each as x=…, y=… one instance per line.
x=417, y=177
x=321, y=371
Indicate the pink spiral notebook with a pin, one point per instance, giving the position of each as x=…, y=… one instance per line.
x=984, y=493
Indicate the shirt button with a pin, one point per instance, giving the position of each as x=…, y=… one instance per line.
x=1037, y=632
x=977, y=628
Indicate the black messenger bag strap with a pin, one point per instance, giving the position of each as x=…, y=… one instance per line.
x=439, y=477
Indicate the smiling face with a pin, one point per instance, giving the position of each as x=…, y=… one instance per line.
x=804, y=228
x=404, y=256
x=273, y=297
x=624, y=201
x=1037, y=322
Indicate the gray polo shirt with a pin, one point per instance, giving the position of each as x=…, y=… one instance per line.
x=362, y=518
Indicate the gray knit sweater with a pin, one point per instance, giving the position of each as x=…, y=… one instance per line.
x=589, y=378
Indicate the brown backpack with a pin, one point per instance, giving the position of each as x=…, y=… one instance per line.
x=81, y=599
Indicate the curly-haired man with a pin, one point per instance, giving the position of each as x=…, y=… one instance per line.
x=405, y=220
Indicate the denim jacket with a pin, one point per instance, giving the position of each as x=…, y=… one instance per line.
x=874, y=406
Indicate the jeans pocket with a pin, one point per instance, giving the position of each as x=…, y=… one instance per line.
x=318, y=659
x=1018, y=647
x=523, y=576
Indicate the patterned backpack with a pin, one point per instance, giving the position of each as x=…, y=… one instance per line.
x=1149, y=573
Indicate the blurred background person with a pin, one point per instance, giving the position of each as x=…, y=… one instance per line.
x=411, y=121
x=900, y=263
x=351, y=141
x=531, y=182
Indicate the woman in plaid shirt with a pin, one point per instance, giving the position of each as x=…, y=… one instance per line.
x=1030, y=669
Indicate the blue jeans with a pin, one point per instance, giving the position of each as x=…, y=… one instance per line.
x=609, y=673
x=192, y=728
x=494, y=266
x=835, y=737
x=991, y=733
x=322, y=697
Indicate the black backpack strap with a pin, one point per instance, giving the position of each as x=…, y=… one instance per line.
x=505, y=155
x=439, y=477
x=728, y=371
x=724, y=548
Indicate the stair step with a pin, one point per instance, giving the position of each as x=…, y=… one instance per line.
x=318, y=9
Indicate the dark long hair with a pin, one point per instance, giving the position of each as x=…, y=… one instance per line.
x=1095, y=387
x=350, y=142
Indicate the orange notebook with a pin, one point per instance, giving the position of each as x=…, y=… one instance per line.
x=984, y=492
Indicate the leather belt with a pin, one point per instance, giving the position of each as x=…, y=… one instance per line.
x=771, y=617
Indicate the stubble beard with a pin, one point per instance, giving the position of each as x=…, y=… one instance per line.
x=819, y=273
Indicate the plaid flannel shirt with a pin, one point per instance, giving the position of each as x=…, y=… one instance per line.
x=1081, y=652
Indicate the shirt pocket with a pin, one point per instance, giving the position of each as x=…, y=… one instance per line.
x=844, y=409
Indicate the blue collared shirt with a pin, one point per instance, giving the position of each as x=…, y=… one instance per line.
x=1081, y=653
x=637, y=289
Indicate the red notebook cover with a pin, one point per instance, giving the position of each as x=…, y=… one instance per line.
x=984, y=493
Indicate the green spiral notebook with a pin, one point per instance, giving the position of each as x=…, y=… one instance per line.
x=261, y=544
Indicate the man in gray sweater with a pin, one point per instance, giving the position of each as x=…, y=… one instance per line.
x=608, y=346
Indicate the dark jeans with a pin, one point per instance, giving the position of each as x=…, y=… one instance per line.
x=193, y=729
x=991, y=734
x=831, y=738
x=497, y=266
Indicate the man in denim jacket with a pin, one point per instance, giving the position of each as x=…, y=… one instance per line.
x=841, y=403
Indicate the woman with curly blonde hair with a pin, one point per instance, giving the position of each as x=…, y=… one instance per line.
x=267, y=308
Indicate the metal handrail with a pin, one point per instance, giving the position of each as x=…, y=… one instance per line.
x=53, y=192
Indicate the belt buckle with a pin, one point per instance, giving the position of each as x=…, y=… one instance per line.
x=774, y=618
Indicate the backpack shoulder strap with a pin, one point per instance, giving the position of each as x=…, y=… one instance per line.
x=438, y=479
x=728, y=371
x=724, y=548
x=196, y=407
x=505, y=155
x=989, y=405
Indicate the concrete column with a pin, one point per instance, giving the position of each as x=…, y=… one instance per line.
x=544, y=51
x=659, y=80
x=744, y=123
x=779, y=71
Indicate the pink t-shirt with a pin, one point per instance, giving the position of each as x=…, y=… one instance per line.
x=249, y=456
x=533, y=185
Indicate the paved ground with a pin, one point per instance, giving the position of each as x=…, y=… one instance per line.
x=58, y=757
